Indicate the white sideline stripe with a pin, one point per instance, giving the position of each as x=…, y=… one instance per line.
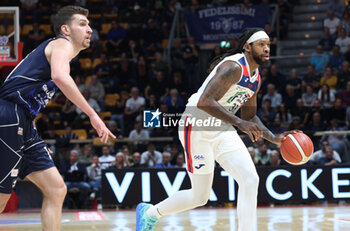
x=20, y=157
x=298, y=146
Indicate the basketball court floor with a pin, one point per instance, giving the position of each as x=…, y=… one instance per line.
x=315, y=218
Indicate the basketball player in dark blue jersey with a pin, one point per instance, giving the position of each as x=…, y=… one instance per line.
x=27, y=90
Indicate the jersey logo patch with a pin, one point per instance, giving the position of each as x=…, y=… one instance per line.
x=14, y=172
x=20, y=131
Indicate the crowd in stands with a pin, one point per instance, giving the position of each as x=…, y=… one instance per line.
x=124, y=71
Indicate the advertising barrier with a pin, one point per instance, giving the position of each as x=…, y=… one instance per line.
x=283, y=184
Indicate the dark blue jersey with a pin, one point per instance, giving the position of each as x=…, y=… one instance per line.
x=29, y=84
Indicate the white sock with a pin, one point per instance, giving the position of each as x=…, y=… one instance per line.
x=153, y=212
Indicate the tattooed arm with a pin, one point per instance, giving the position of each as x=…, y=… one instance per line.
x=248, y=112
x=228, y=73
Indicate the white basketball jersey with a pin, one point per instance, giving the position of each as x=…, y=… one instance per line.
x=237, y=94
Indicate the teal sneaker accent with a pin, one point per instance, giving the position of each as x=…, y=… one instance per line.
x=143, y=221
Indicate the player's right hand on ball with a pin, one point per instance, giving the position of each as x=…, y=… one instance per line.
x=250, y=128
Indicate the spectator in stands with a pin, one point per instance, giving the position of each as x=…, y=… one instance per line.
x=113, y=127
x=323, y=111
x=139, y=133
x=75, y=176
x=180, y=161
x=132, y=52
x=284, y=115
x=92, y=102
x=296, y=124
x=266, y=113
x=343, y=41
x=94, y=172
x=95, y=38
x=165, y=161
x=329, y=79
x=133, y=107
x=43, y=123
x=309, y=97
x=328, y=40
x=337, y=6
x=118, y=110
x=123, y=78
x=127, y=154
x=30, y=7
x=51, y=135
x=347, y=118
x=106, y=159
x=317, y=155
x=285, y=17
x=326, y=96
x=273, y=38
x=290, y=97
x=319, y=59
x=295, y=82
x=174, y=102
x=115, y=39
x=329, y=158
x=277, y=78
x=300, y=111
x=159, y=64
x=134, y=32
x=338, y=111
x=272, y=95
x=336, y=60
x=345, y=21
x=152, y=102
x=137, y=15
x=191, y=59
x=252, y=152
x=277, y=126
x=335, y=141
x=119, y=163
x=151, y=157
x=68, y=112
x=331, y=22
x=343, y=76
x=178, y=83
x=104, y=71
x=263, y=154
x=311, y=78
x=97, y=91
x=177, y=59
x=158, y=86
x=64, y=140
x=174, y=152
x=86, y=157
x=275, y=159
x=35, y=37
x=136, y=161
x=79, y=82
x=153, y=37
x=317, y=124
x=344, y=95
x=142, y=77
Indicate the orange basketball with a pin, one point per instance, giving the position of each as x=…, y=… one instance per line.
x=297, y=148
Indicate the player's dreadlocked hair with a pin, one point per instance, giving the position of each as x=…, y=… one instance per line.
x=247, y=32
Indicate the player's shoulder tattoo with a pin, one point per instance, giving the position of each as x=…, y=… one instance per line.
x=229, y=72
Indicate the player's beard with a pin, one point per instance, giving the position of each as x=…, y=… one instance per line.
x=259, y=59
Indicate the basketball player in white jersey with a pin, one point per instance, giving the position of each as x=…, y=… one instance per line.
x=232, y=84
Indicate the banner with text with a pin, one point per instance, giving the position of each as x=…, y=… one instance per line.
x=218, y=23
x=287, y=183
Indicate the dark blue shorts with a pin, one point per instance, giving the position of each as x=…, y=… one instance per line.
x=22, y=151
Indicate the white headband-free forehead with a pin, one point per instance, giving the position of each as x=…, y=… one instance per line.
x=257, y=36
